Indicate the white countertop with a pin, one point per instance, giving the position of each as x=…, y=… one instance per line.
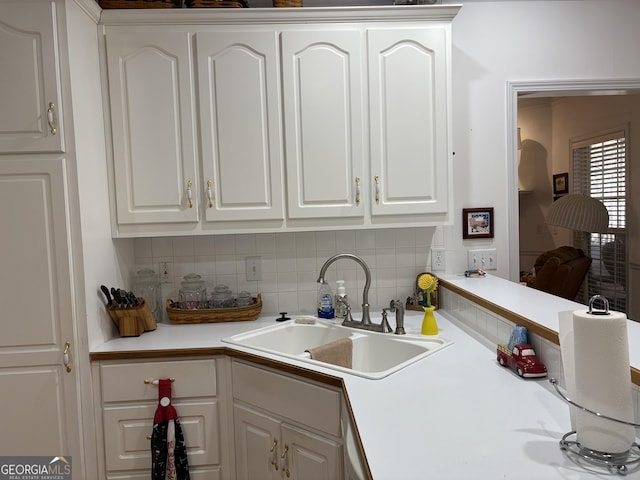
x=539, y=307
x=453, y=415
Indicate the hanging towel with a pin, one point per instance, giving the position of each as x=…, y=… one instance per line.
x=339, y=352
x=168, y=450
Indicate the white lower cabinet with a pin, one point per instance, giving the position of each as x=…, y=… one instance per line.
x=285, y=427
x=128, y=400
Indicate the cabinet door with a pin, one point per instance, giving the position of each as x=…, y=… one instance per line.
x=408, y=101
x=322, y=84
x=152, y=113
x=257, y=444
x=38, y=393
x=240, y=125
x=30, y=93
x=309, y=456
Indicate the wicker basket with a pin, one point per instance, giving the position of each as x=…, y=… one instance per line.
x=214, y=315
x=141, y=3
x=216, y=4
x=287, y=3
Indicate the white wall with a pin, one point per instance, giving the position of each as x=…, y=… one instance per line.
x=104, y=262
x=516, y=41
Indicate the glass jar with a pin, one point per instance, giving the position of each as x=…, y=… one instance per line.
x=221, y=297
x=146, y=284
x=244, y=299
x=193, y=294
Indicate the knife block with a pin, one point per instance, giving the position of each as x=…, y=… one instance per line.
x=132, y=321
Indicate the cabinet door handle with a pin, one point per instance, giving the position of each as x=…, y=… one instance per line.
x=377, y=180
x=357, y=190
x=189, y=194
x=66, y=356
x=284, y=461
x=51, y=118
x=210, y=193
x=273, y=455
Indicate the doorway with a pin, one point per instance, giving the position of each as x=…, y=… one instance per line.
x=539, y=192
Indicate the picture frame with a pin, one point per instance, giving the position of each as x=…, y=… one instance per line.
x=477, y=223
x=561, y=183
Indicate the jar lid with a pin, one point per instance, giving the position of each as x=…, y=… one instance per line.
x=192, y=281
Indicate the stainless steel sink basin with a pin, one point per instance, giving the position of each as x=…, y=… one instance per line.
x=375, y=355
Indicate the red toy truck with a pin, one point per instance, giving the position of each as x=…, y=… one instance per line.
x=522, y=359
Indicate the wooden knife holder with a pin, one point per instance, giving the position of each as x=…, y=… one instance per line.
x=132, y=321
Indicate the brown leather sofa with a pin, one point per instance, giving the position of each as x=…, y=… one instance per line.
x=561, y=271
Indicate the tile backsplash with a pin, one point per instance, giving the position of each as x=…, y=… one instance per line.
x=291, y=262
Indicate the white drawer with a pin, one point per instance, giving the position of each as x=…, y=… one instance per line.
x=127, y=428
x=123, y=382
x=309, y=404
x=194, y=474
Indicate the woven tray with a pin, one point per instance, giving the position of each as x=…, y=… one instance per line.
x=141, y=3
x=214, y=315
x=216, y=4
x=287, y=3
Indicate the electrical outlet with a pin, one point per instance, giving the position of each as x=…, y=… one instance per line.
x=166, y=271
x=483, y=259
x=438, y=260
x=253, y=266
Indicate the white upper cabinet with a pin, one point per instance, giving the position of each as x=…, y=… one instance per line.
x=408, y=88
x=324, y=122
x=279, y=119
x=30, y=79
x=153, y=126
x=240, y=125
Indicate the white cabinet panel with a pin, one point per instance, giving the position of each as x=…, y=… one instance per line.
x=35, y=291
x=240, y=125
x=30, y=93
x=322, y=84
x=154, y=143
x=408, y=99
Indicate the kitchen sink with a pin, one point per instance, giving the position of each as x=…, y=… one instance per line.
x=375, y=355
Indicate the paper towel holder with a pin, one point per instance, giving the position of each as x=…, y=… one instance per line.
x=619, y=462
x=592, y=300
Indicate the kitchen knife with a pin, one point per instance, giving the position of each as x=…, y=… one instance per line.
x=117, y=297
x=105, y=290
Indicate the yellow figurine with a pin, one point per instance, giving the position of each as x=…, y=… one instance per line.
x=428, y=283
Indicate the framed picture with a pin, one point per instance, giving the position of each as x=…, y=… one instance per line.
x=477, y=222
x=561, y=183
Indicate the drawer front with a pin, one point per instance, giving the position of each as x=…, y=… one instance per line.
x=194, y=474
x=312, y=405
x=122, y=382
x=126, y=432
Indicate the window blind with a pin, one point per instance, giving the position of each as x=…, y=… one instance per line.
x=600, y=170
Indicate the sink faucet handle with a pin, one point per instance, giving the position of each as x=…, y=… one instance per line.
x=384, y=324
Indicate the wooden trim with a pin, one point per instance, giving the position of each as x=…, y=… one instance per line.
x=544, y=332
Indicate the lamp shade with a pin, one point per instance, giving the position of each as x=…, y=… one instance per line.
x=579, y=212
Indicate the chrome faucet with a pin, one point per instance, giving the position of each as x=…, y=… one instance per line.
x=398, y=307
x=365, y=323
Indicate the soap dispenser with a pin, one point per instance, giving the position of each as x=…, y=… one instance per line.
x=341, y=300
x=325, y=301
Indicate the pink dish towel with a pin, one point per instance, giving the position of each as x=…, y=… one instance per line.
x=338, y=352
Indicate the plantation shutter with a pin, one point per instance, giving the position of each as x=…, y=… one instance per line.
x=600, y=170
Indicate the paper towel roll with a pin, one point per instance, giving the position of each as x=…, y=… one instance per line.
x=565, y=333
x=598, y=372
